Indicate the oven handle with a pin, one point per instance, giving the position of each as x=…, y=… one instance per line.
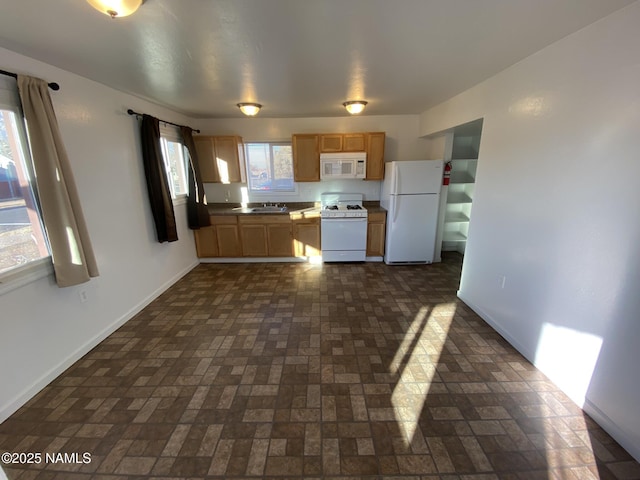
x=344, y=219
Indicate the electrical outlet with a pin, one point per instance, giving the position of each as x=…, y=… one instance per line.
x=227, y=195
x=83, y=296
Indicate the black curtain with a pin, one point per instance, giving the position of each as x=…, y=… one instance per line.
x=197, y=211
x=157, y=183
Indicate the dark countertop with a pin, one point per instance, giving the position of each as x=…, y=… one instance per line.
x=292, y=207
x=236, y=208
x=373, y=207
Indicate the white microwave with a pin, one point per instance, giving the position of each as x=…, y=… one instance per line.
x=343, y=165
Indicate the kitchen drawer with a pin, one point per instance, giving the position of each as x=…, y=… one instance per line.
x=307, y=217
x=377, y=217
x=263, y=219
x=223, y=219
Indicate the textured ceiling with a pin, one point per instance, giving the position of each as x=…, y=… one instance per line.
x=299, y=58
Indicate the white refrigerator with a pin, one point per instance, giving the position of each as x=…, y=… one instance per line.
x=411, y=196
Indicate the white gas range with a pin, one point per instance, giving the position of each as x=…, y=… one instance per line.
x=343, y=222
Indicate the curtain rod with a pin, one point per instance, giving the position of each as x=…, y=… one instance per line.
x=52, y=85
x=131, y=112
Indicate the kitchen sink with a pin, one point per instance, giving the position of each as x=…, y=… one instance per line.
x=268, y=209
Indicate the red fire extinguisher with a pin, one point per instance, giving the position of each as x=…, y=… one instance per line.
x=447, y=174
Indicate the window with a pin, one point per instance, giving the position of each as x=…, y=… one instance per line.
x=270, y=167
x=22, y=236
x=174, y=160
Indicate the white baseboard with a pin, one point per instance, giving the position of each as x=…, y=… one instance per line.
x=13, y=405
x=498, y=328
x=612, y=429
x=588, y=407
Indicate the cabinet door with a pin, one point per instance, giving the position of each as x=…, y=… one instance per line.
x=228, y=241
x=331, y=142
x=279, y=240
x=254, y=240
x=227, y=159
x=306, y=239
x=353, y=142
x=206, y=242
x=375, y=238
x=306, y=158
x=206, y=158
x=375, y=156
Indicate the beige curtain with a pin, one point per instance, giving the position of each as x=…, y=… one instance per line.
x=73, y=258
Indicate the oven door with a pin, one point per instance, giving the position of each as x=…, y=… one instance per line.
x=343, y=239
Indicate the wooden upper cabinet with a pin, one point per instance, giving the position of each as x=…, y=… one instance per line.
x=230, y=159
x=221, y=158
x=307, y=149
x=306, y=158
x=206, y=156
x=330, y=142
x=353, y=142
x=342, y=142
x=375, y=156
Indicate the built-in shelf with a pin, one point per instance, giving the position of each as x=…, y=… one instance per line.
x=462, y=178
x=456, y=217
x=458, y=197
x=454, y=237
x=459, y=200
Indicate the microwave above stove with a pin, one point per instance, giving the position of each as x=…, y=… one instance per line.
x=343, y=165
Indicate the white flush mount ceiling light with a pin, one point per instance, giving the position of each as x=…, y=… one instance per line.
x=116, y=8
x=249, y=109
x=355, y=106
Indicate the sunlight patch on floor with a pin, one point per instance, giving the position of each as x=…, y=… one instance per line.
x=416, y=361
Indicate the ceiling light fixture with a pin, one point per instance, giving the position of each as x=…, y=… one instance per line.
x=249, y=109
x=116, y=8
x=355, y=106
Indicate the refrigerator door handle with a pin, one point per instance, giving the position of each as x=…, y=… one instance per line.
x=394, y=205
x=395, y=180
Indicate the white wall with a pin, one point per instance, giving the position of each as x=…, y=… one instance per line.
x=401, y=143
x=45, y=328
x=556, y=212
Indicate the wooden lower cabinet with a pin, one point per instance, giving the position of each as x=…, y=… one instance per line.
x=279, y=240
x=206, y=242
x=221, y=239
x=227, y=235
x=265, y=235
x=376, y=229
x=306, y=235
x=261, y=236
x=254, y=240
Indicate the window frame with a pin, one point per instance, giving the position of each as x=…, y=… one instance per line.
x=269, y=193
x=171, y=133
x=41, y=267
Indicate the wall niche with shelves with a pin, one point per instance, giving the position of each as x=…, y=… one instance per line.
x=463, y=156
